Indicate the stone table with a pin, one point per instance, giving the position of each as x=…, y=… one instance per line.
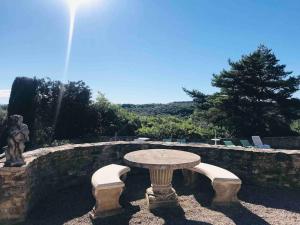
x=161, y=163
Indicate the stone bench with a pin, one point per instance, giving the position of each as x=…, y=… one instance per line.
x=225, y=184
x=107, y=188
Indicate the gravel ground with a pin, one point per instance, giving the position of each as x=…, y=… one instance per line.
x=258, y=206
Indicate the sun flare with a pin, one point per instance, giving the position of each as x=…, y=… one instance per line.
x=73, y=4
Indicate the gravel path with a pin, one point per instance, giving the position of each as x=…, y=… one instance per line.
x=259, y=206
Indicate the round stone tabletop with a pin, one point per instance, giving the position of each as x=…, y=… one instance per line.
x=162, y=159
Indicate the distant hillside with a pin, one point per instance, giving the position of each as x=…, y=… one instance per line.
x=174, y=108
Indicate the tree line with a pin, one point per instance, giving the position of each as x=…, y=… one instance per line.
x=56, y=111
x=179, y=109
x=255, y=97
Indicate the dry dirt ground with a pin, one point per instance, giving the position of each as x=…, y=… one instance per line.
x=258, y=206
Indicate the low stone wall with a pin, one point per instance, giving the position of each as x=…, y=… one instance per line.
x=50, y=169
x=283, y=142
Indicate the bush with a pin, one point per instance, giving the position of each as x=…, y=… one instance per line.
x=112, y=120
x=160, y=127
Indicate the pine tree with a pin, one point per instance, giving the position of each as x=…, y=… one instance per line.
x=256, y=95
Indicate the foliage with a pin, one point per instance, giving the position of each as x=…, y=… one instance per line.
x=61, y=110
x=46, y=105
x=207, y=114
x=113, y=120
x=73, y=116
x=159, y=127
x=22, y=100
x=295, y=126
x=3, y=116
x=182, y=109
x=3, y=113
x=255, y=97
x=66, y=111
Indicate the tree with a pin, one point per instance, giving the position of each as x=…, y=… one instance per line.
x=22, y=100
x=207, y=114
x=256, y=96
x=73, y=112
x=112, y=119
x=38, y=99
x=57, y=111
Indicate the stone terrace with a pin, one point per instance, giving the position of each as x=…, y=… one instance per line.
x=48, y=170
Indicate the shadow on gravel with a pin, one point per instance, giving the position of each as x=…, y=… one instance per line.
x=136, y=185
x=76, y=202
x=203, y=193
x=62, y=206
x=201, y=189
x=175, y=216
x=240, y=215
x=271, y=197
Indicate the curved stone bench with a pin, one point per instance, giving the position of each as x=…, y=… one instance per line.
x=225, y=184
x=107, y=188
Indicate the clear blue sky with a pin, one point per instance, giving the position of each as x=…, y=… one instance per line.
x=142, y=51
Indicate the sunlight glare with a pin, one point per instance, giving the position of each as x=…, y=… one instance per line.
x=73, y=6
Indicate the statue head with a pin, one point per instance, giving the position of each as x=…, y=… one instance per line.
x=15, y=120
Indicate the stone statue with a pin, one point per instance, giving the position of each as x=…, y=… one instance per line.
x=18, y=134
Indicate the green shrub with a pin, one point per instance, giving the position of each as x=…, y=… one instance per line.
x=112, y=120
x=159, y=127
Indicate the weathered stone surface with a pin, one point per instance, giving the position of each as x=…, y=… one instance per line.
x=18, y=134
x=225, y=192
x=225, y=184
x=51, y=169
x=162, y=159
x=107, y=202
x=161, y=163
x=107, y=188
x=161, y=193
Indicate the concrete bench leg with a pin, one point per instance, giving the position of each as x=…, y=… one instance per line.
x=225, y=192
x=107, y=202
x=189, y=177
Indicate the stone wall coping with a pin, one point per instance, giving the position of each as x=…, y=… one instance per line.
x=32, y=155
